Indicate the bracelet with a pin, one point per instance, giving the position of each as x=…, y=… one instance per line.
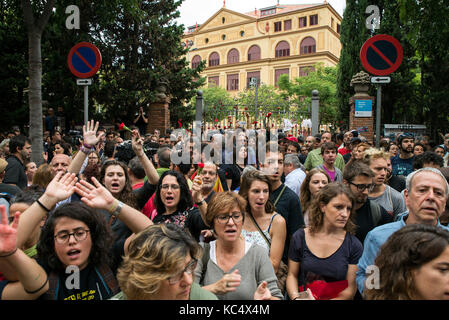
x=42, y=206
x=117, y=209
x=85, y=150
x=87, y=146
x=9, y=254
x=113, y=207
x=32, y=292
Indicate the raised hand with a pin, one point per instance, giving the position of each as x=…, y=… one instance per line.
x=95, y=196
x=90, y=133
x=61, y=187
x=137, y=142
x=262, y=292
x=8, y=234
x=196, y=189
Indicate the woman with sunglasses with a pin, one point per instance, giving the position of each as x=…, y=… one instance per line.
x=232, y=268
x=159, y=266
x=76, y=246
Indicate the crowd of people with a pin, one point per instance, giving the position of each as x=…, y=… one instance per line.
x=230, y=215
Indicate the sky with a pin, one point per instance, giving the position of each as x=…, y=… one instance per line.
x=198, y=11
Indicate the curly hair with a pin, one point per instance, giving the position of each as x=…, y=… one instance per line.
x=185, y=198
x=43, y=176
x=126, y=195
x=374, y=153
x=245, y=185
x=155, y=254
x=323, y=197
x=305, y=196
x=100, y=233
x=407, y=250
x=223, y=202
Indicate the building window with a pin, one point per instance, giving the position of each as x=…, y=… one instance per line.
x=233, y=56
x=267, y=12
x=223, y=20
x=338, y=28
x=313, y=20
x=282, y=49
x=223, y=37
x=214, y=59
x=232, y=82
x=308, y=45
x=254, y=53
x=213, y=81
x=278, y=73
x=249, y=75
x=304, y=71
x=207, y=40
x=287, y=25
x=242, y=33
x=196, y=61
x=303, y=22
x=277, y=26
x=332, y=23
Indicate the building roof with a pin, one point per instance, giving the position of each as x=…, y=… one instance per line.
x=281, y=8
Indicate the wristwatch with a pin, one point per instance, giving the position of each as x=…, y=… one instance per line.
x=118, y=209
x=201, y=202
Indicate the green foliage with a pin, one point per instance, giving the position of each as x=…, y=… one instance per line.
x=322, y=79
x=218, y=103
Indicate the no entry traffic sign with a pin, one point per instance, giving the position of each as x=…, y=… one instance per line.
x=381, y=55
x=84, y=60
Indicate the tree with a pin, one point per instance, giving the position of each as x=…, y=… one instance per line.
x=322, y=79
x=218, y=103
x=35, y=21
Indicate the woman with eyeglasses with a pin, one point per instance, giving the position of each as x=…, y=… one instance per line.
x=326, y=250
x=174, y=204
x=76, y=246
x=159, y=266
x=232, y=268
x=314, y=181
x=384, y=195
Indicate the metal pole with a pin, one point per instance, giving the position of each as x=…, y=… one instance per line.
x=86, y=104
x=255, y=105
x=378, y=106
x=199, y=110
x=315, y=112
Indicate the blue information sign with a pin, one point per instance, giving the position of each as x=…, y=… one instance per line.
x=363, y=108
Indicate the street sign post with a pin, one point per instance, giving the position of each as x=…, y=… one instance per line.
x=84, y=60
x=381, y=55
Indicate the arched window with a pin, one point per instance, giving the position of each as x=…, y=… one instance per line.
x=308, y=45
x=214, y=59
x=282, y=49
x=196, y=61
x=254, y=53
x=233, y=56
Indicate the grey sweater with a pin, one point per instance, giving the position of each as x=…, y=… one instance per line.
x=254, y=267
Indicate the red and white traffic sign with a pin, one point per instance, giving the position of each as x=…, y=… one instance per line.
x=381, y=54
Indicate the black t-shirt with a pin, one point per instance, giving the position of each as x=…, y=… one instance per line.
x=15, y=173
x=397, y=183
x=144, y=194
x=288, y=207
x=189, y=219
x=329, y=269
x=364, y=220
x=302, y=158
x=92, y=286
x=222, y=177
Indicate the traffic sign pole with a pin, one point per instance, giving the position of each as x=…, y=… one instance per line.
x=86, y=105
x=378, y=113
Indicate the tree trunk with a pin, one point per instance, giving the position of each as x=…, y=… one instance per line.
x=35, y=95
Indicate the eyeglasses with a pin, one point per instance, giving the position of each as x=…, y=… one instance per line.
x=79, y=235
x=362, y=187
x=173, y=186
x=224, y=218
x=188, y=269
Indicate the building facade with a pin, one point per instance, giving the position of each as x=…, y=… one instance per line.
x=264, y=44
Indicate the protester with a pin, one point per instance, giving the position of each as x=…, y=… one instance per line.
x=159, y=266
x=425, y=197
x=315, y=180
x=232, y=268
x=20, y=152
x=329, y=154
x=402, y=163
x=294, y=175
x=326, y=249
x=413, y=265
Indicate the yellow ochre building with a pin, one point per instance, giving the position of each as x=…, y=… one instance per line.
x=265, y=43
